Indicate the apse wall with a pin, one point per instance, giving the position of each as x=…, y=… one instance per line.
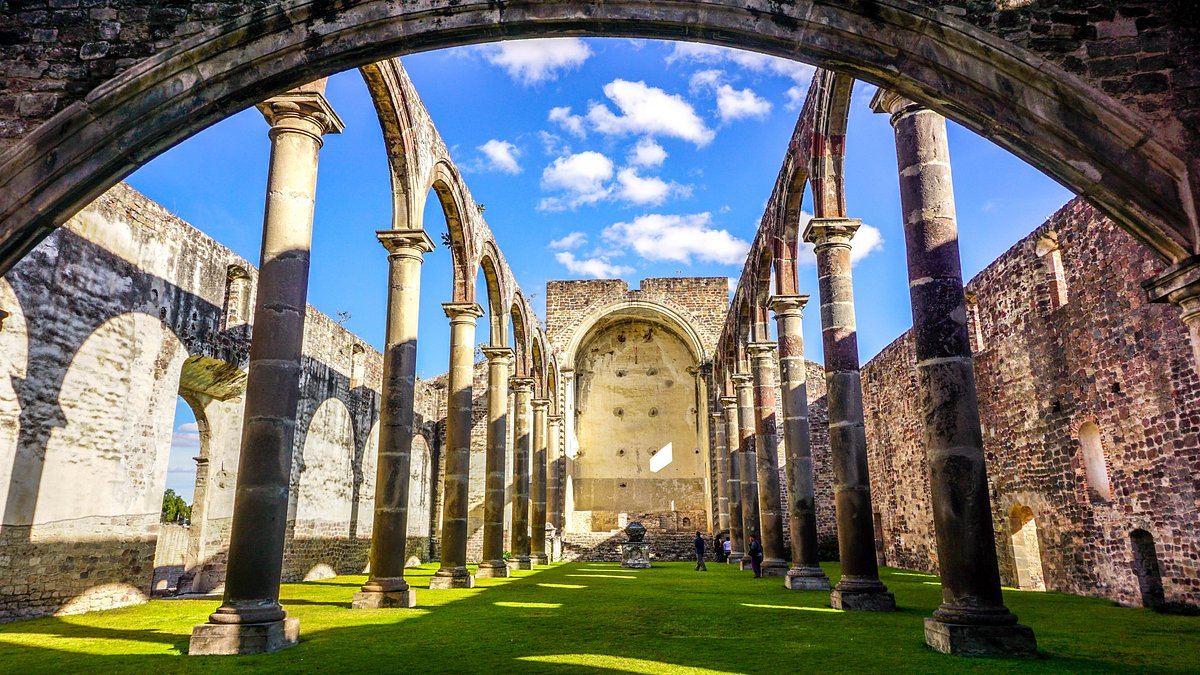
x=107, y=321
x=1089, y=401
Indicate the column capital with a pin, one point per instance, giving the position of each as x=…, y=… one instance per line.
x=1180, y=286
x=520, y=384
x=718, y=415
x=728, y=402
x=554, y=419
x=787, y=305
x=823, y=232
x=501, y=355
x=462, y=311
x=743, y=380
x=306, y=112
x=761, y=350
x=541, y=404
x=887, y=101
x=567, y=373
x=405, y=243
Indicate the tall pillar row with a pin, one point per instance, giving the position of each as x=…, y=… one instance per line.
x=500, y=360
x=453, y=570
x=386, y=586
x=748, y=460
x=737, y=536
x=250, y=618
x=770, y=503
x=972, y=618
x=522, y=444
x=859, y=587
x=537, y=518
x=805, y=572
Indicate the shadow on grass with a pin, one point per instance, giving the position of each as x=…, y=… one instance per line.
x=578, y=619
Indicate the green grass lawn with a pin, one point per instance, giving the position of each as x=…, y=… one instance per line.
x=599, y=618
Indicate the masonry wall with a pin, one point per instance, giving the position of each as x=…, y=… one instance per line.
x=109, y=320
x=1044, y=369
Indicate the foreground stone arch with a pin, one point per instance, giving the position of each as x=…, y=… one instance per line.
x=1134, y=165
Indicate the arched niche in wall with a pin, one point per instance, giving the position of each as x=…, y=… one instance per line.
x=1027, y=551
x=1099, y=488
x=324, y=489
x=635, y=419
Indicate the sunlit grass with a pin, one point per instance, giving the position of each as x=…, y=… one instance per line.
x=550, y=620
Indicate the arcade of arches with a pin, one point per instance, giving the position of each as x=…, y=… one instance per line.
x=1037, y=427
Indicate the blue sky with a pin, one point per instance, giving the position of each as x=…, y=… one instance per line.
x=596, y=157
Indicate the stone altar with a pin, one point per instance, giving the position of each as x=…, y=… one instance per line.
x=635, y=553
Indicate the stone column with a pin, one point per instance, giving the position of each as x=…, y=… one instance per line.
x=250, y=619
x=453, y=571
x=554, y=472
x=748, y=460
x=806, y=572
x=500, y=360
x=859, y=587
x=522, y=442
x=737, y=536
x=766, y=443
x=721, y=466
x=1180, y=285
x=537, y=519
x=386, y=586
x=972, y=619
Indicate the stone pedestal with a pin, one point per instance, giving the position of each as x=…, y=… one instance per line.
x=491, y=571
x=974, y=640
x=806, y=579
x=635, y=554
x=384, y=599
x=523, y=563
x=736, y=559
x=774, y=569
x=871, y=600
x=451, y=578
x=745, y=564
x=209, y=639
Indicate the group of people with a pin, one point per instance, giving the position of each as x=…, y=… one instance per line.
x=722, y=549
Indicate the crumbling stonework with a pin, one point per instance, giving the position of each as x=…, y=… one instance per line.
x=1063, y=338
x=109, y=320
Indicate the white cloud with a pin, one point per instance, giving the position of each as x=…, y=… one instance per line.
x=570, y=241
x=649, y=191
x=583, y=177
x=595, y=268
x=553, y=144
x=531, y=62
x=501, y=156
x=795, y=96
x=735, y=104
x=759, y=63
x=704, y=79
x=647, y=154
x=572, y=123
x=650, y=111
x=678, y=238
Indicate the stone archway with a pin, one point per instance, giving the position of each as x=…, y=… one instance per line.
x=1137, y=171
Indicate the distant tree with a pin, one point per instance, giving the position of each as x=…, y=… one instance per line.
x=174, y=509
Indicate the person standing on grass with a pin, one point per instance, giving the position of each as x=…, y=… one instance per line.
x=719, y=548
x=727, y=546
x=699, y=543
x=756, y=555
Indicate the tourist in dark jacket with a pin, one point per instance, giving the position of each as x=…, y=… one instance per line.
x=699, y=543
x=755, y=551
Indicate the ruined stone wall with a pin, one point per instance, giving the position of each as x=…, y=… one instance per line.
x=109, y=320
x=1055, y=352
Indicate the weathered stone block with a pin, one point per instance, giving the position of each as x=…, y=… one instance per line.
x=862, y=602
x=1014, y=641
x=384, y=599
x=209, y=639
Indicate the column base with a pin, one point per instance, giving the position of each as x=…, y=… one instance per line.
x=451, y=579
x=539, y=559
x=862, y=601
x=210, y=639
x=491, y=570
x=384, y=599
x=806, y=579
x=745, y=564
x=772, y=568
x=735, y=558
x=1013, y=641
x=520, y=564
